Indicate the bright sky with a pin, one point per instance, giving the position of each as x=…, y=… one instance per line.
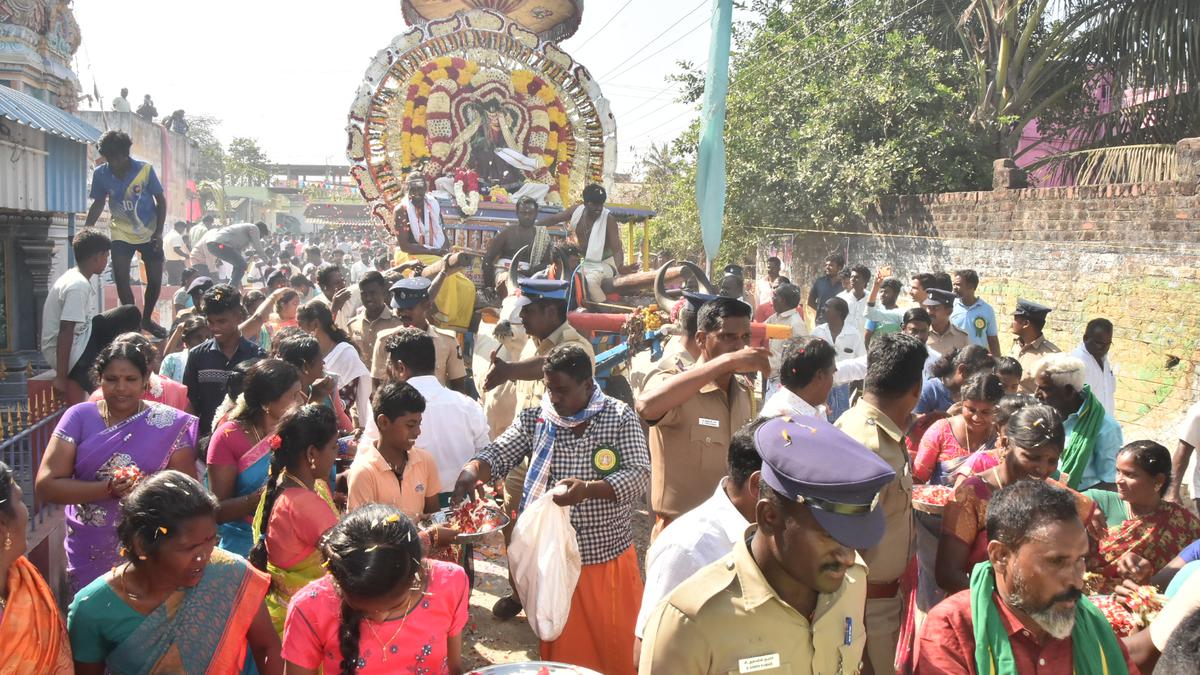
x=285, y=72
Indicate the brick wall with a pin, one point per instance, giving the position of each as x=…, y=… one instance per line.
x=1129, y=253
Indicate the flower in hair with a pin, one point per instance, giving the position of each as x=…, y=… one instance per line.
x=394, y=518
x=275, y=442
x=162, y=530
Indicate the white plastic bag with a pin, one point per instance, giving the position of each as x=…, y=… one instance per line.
x=545, y=561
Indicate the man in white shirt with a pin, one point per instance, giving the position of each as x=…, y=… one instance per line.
x=1098, y=371
x=784, y=300
x=1189, y=438
x=73, y=333
x=453, y=427
x=361, y=266
x=121, y=103
x=706, y=533
x=176, y=252
x=807, y=371
x=342, y=300
x=856, y=299
x=847, y=342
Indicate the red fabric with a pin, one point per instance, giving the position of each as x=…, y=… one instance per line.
x=908, y=619
x=947, y=643
x=763, y=312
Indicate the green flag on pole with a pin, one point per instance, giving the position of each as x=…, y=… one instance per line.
x=710, y=167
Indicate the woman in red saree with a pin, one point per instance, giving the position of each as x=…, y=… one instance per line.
x=1035, y=441
x=1145, y=531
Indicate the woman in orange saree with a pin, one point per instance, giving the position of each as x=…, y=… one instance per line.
x=31, y=629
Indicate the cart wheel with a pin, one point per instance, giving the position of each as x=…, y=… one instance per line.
x=618, y=388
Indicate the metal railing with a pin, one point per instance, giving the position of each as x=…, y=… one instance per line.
x=26, y=429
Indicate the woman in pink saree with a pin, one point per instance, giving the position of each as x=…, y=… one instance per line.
x=100, y=449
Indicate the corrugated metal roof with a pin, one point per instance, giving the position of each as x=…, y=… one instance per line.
x=27, y=110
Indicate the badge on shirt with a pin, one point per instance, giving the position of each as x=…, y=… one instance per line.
x=755, y=664
x=706, y=422
x=605, y=459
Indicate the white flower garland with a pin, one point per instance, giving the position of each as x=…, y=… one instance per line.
x=468, y=203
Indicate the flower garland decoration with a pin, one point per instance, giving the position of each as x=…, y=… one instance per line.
x=275, y=441
x=466, y=191
x=499, y=195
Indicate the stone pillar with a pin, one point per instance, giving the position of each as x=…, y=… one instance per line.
x=1006, y=175
x=1187, y=160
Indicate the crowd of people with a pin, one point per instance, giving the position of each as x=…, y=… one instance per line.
x=252, y=489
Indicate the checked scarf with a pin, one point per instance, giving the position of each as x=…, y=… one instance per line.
x=1094, y=647
x=1081, y=444
x=548, y=424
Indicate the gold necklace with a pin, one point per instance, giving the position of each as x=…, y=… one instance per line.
x=384, y=645
x=105, y=414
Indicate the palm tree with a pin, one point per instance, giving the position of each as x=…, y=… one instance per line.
x=1046, y=60
x=658, y=162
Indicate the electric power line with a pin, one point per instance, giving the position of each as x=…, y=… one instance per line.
x=653, y=40
x=663, y=48
x=610, y=20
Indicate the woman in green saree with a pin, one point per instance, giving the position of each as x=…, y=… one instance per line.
x=178, y=604
x=297, y=508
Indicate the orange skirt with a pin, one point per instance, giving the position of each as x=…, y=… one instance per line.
x=604, y=609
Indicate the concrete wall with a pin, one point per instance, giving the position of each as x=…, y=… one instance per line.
x=175, y=156
x=1128, y=253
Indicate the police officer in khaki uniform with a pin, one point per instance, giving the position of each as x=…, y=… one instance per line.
x=693, y=412
x=790, y=597
x=1030, y=345
x=543, y=307
x=879, y=421
x=411, y=300
x=944, y=337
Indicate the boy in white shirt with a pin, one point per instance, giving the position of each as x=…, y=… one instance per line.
x=73, y=332
x=784, y=300
x=848, y=344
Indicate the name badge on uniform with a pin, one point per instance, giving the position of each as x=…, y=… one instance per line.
x=756, y=663
x=706, y=422
x=606, y=459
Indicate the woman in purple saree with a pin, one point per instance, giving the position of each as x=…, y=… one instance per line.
x=99, y=450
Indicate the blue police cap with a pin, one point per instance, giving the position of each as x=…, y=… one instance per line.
x=545, y=289
x=697, y=300
x=938, y=296
x=813, y=462
x=408, y=293
x=1030, y=309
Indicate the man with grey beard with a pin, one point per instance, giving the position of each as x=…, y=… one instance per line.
x=1024, y=611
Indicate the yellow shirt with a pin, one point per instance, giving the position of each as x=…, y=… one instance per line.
x=727, y=618
x=868, y=425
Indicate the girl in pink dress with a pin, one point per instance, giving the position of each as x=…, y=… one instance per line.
x=950, y=441
x=381, y=608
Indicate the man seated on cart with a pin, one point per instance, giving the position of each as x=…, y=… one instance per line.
x=419, y=235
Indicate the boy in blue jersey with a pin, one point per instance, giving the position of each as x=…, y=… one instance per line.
x=138, y=209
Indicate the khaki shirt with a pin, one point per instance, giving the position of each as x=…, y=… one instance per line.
x=529, y=392
x=449, y=366
x=364, y=332
x=1029, y=355
x=868, y=425
x=673, y=351
x=689, y=446
x=727, y=618
x=947, y=342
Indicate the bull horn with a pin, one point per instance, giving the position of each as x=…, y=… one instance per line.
x=514, y=276
x=701, y=277
x=661, y=295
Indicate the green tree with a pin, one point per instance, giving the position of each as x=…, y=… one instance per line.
x=247, y=164
x=830, y=107
x=202, y=129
